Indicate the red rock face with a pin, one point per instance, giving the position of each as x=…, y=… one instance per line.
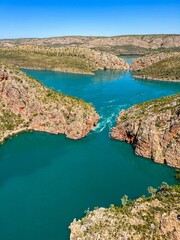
x=154, y=135
x=142, y=62
x=27, y=105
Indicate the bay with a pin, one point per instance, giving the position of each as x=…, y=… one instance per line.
x=48, y=180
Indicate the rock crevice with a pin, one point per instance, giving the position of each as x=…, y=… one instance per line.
x=153, y=128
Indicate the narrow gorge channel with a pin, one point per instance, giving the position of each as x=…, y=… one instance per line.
x=48, y=180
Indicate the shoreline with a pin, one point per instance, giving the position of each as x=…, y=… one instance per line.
x=57, y=70
x=12, y=134
x=155, y=79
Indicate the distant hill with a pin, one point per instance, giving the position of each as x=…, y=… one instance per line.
x=160, y=66
x=130, y=44
x=64, y=59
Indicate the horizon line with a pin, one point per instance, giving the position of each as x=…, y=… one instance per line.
x=63, y=36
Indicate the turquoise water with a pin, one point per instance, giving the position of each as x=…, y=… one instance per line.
x=47, y=180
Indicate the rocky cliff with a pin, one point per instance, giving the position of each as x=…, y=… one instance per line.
x=161, y=66
x=153, y=128
x=25, y=104
x=65, y=59
x=156, y=217
x=133, y=44
x=148, y=60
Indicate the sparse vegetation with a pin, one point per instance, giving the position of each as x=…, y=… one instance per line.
x=167, y=69
x=142, y=110
x=154, y=216
x=152, y=128
x=26, y=104
x=126, y=44
x=177, y=174
x=66, y=59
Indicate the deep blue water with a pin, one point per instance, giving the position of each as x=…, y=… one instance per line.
x=47, y=180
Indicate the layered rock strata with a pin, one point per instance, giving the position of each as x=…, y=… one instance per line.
x=153, y=128
x=25, y=104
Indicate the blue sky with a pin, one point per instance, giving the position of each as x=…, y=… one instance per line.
x=45, y=18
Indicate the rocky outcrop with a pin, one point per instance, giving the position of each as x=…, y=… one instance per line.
x=65, y=59
x=161, y=66
x=118, y=44
x=25, y=104
x=142, y=62
x=153, y=128
x=156, y=217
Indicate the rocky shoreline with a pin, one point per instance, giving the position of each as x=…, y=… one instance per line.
x=160, y=66
x=156, y=79
x=27, y=105
x=155, y=217
x=58, y=70
x=145, y=61
x=153, y=129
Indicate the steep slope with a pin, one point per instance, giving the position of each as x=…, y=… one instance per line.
x=145, y=61
x=155, y=217
x=25, y=104
x=132, y=44
x=153, y=128
x=66, y=59
x=167, y=70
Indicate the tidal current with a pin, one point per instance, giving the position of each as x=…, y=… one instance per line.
x=48, y=180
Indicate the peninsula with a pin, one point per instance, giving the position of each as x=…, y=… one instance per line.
x=64, y=59
x=25, y=105
x=153, y=129
x=159, y=66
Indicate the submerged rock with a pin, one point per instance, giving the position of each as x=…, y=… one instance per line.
x=26, y=104
x=153, y=128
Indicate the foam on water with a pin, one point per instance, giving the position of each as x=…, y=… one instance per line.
x=48, y=180
x=108, y=117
